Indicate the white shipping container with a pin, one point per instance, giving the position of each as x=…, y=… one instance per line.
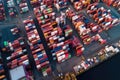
x=43, y=52
x=55, y=37
x=65, y=46
x=107, y=24
x=114, y=21
x=36, y=59
x=62, y=38
x=44, y=73
x=63, y=56
x=59, y=58
x=40, y=55
x=26, y=62
x=33, y=35
x=21, y=43
x=117, y=50
x=25, y=50
x=101, y=19
x=37, y=36
x=8, y=58
x=20, y=53
x=107, y=49
x=38, y=66
x=60, y=44
x=61, y=53
x=53, y=54
x=29, y=24
x=54, y=32
x=111, y=48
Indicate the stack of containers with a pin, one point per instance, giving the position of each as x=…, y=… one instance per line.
x=53, y=34
x=95, y=27
x=2, y=12
x=15, y=31
x=84, y=27
x=2, y=72
x=48, y=2
x=11, y=8
x=80, y=26
x=23, y=6
x=102, y=16
x=67, y=31
x=78, y=46
x=19, y=54
x=61, y=4
x=81, y=4
x=109, y=2
x=37, y=48
x=35, y=3
x=114, y=3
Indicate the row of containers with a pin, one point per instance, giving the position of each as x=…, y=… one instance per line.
x=2, y=11
x=88, y=30
x=23, y=6
x=37, y=48
x=10, y=6
x=102, y=16
x=54, y=35
x=58, y=35
x=81, y=4
x=2, y=71
x=114, y=3
x=16, y=53
x=60, y=5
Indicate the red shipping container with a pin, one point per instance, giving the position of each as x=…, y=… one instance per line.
x=48, y=70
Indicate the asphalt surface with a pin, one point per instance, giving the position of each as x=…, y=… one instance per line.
x=66, y=66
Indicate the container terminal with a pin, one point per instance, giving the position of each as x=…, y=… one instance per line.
x=56, y=39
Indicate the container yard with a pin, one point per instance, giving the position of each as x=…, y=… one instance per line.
x=56, y=39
